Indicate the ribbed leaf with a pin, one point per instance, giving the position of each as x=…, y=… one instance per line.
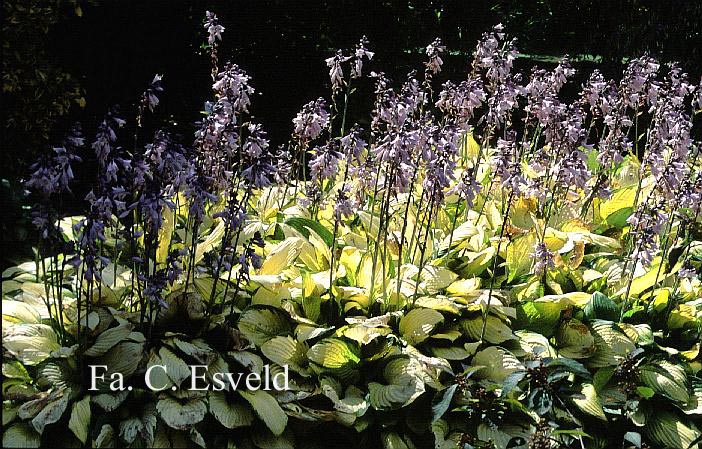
x=574, y=340
x=268, y=409
x=611, y=345
x=590, y=402
x=260, y=325
x=229, y=414
x=416, y=326
x=286, y=351
x=497, y=363
x=181, y=415
x=495, y=331
x=80, y=419
x=670, y=431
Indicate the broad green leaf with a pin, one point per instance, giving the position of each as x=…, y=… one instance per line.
x=268, y=409
x=260, y=325
x=335, y=355
x=574, y=340
x=442, y=401
x=666, y=379
x=497, y=363
x=80, y=419
x=618, y=207
x=611, y=345
x=165, y=233
x=405, y=384
x=29, y=343
x=287, y=351
x=230, y=414
x=668, y=430
x=108, y=339
x=601, y=307
x=282, y=256
x=540, y=316
x=181, y=414
x=51, y=413
x=519, y=256
x=304, y=225
x=495, y=330
x=590, y=402
x=418, y=324
x=20, y=435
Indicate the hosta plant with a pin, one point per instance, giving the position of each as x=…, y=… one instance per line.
x=486, y=263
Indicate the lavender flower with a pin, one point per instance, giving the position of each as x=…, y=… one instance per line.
x=543, y=258
x=213, y=28
x=360, y=53
x=434, y=52
x=106, y=136
x=149, y=98
x=311, y=120
x=346, y=204
x=325, y=163
x=687, y=271
x=336, y=74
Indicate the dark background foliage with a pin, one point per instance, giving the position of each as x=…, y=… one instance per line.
x=69, y=60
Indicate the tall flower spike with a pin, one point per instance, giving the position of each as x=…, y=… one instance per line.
x=434, y=52
x=360, y=53
x=213, y=28
x=336, y=74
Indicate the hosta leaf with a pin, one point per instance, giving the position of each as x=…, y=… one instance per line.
x=268, y=409
x=666, y=379
x=51, y=413
x=108, y=339
x=106, y=437
x=668, y=430
x=303, y=226
x=416, y=326
x=123, y=358
x=130, y=428
x=197, y=349
x=497, y=364
x=80, y=419
x=694, y=406
x=611, y=345
x=619, y=206
x=282, y=256
x=110, y=401
x=540, y=316
x=442, y=401
x=574, y=340
x=29, y=343
x=589, y=402
x=165, y=233
x=405, y=384
x=286, y=351
x=20, y=435
x=495, y=331
x=393, y=440
x=176, y=369
x=601, y=307
x=334, y=353
x=181, y=415
x=19, y=312
x=519, y=256
x=263, y=439
x=229, y=414
x=437, y=278
x=260, y=325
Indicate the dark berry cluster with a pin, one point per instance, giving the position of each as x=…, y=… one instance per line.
x=627, y=375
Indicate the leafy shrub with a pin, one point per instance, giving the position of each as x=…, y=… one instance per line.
x=488, y=266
